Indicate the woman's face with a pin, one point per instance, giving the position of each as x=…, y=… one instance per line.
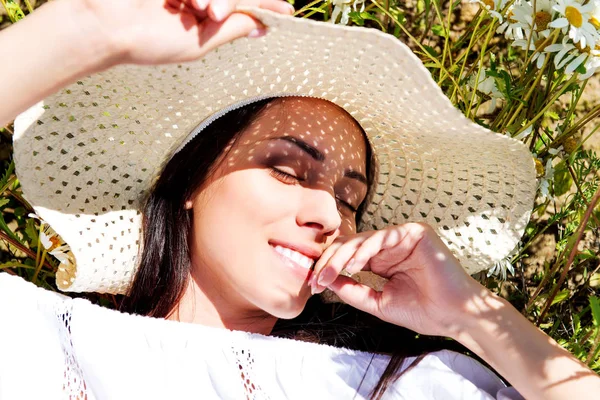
x=288, y=186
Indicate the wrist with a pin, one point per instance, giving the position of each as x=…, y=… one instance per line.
x=478, y=311
x=93, y=45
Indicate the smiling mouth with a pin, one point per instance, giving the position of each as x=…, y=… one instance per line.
x=295, y=256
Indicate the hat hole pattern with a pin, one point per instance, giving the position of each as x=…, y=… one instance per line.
x=112, y=132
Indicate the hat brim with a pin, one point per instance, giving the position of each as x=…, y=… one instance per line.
x=87, y=155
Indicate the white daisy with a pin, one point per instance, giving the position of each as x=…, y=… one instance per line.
x=344, y=7
x=595, y=14
x=52, y=242
x=537, y=43
x=493, y=7
x=591, y=65
x=564, y=52
x=499, y=269
x=542, y=15
x=576, y=18
x=544, y=186
x=525, y=133
x=487, y=86
x=522, y=19
x=511, y=27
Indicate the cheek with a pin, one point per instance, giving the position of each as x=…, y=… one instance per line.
x=348, y=226
x=244, y=201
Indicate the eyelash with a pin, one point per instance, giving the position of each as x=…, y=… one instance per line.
x=284, y=176
x=290, y=179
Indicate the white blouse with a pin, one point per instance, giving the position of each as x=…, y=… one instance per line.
x=55, y=347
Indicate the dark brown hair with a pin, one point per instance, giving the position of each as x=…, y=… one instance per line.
x=163, y=272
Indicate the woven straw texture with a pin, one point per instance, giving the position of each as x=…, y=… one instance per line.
x=87, y=155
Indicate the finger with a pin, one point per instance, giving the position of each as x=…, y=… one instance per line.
x=214, y=34
x=338, y=261
x=403, y=239
x=219, y=10
x=369, y=249
x=327, y=254
x=200, y=4
x=279, y=6
x=357, y=295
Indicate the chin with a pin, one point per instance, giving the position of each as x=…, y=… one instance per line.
x=289, y=309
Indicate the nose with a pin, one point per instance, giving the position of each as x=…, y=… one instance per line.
x=319, y=211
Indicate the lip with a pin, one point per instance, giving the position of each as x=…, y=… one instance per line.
x=308, y=251
x=295, y=268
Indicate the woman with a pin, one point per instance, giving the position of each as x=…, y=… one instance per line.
x=243, y=235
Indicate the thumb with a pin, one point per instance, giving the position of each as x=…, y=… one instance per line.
x=357, y=295
x=237, y=25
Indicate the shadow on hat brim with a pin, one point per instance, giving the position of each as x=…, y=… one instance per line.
x=87, y=155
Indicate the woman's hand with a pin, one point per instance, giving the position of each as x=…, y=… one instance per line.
x=427, y=290
x=67, y=39
x=169, y=31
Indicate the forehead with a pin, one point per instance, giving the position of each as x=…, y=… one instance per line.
x=317, y=122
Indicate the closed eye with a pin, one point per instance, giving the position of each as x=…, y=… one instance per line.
x=284, y=177
x=347, y=205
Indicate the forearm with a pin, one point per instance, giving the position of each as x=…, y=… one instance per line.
x=47, y=50
x=530, y=360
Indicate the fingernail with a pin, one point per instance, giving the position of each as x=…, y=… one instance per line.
x=326, y=277
x=201, y=4
x=219, y=10
x=255, y=33
x=349, y=266
x=291, y=7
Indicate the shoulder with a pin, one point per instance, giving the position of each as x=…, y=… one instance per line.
x=16, y=288
x=448, y=375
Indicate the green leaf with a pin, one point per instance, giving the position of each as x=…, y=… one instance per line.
x=562, y=179
x=7, y=178
x=356, y=18
x=7, y=230
x=359, y=18
x=581, y=69
x=430, y=50
x=439, y=30
x=14, y=11
x=4, y=202
x=561, y=296
x=576, y=325
x=595, y=306
x=31, y=231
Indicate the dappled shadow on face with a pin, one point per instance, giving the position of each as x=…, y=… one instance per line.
x=314, y=141
x=283, y=189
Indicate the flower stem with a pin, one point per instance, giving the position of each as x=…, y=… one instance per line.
x=39, y=267
x=481, y=56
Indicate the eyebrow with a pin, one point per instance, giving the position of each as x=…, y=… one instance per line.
x=317, y=155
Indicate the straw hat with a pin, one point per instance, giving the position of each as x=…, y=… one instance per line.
x=87, y=155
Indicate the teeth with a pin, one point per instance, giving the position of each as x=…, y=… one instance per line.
x=295, y=256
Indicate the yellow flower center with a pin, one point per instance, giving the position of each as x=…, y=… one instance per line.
x=595, y=22
x=489, y=3
x=539, y=44
x=55, y=243
x=570, y=145
x=574, y=16
x=539, y=168
x=585, y=49
x=511, y=16
x=542, y=19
